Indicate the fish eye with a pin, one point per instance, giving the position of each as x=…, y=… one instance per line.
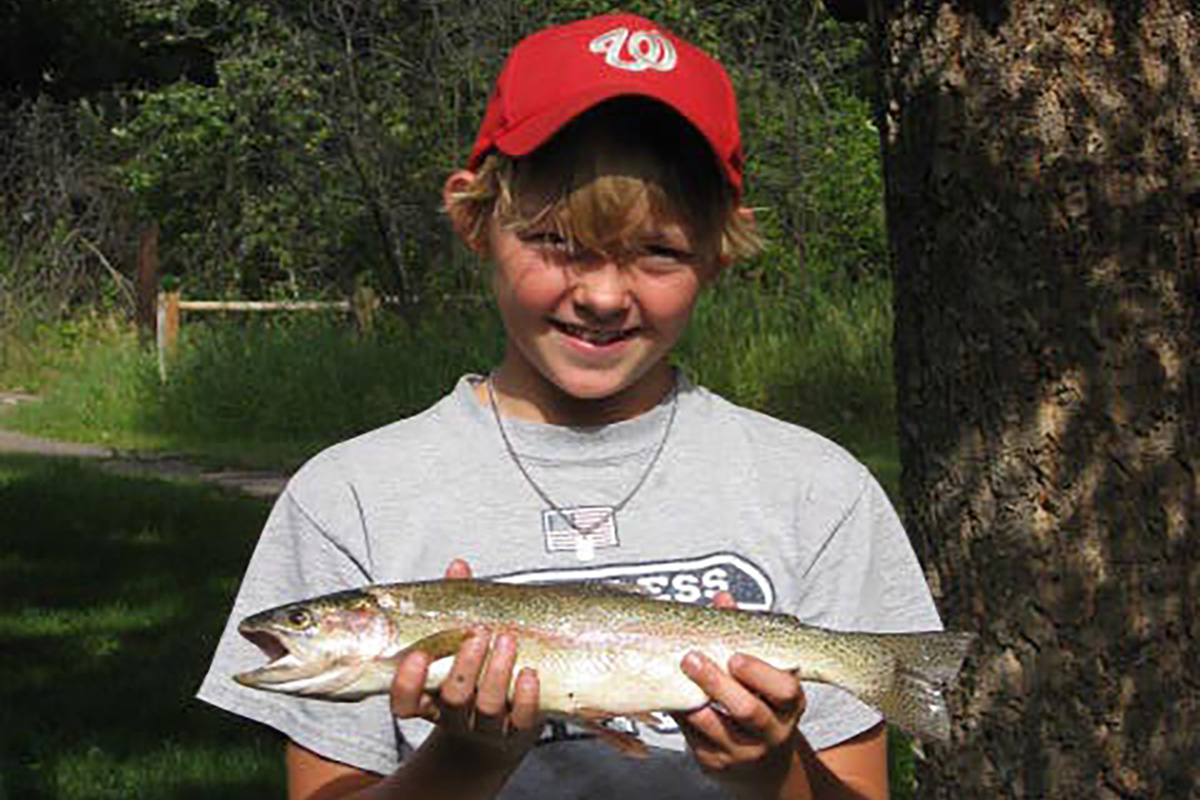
x=299, y=618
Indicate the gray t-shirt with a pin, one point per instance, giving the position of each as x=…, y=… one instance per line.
x=777, y=515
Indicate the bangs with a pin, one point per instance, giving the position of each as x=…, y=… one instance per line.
x=622, y=166
x=603, y=201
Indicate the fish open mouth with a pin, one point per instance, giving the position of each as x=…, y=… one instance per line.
x=282, y=665
x=300, y=673
x=268, y=643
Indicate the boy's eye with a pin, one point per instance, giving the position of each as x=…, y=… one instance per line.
x=662, y=258
x=665, y=251
x=544, y=239
x=557, y=247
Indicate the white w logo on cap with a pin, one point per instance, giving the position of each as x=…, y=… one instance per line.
x=645, y=49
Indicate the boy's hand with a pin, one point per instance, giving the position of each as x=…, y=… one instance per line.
x=749, y=744
x=472, y=703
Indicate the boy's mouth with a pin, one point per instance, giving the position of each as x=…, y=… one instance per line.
x=593, y=335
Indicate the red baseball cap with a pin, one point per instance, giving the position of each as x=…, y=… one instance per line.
x=556, y=74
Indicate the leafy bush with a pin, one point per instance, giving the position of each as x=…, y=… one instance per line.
x=235, y=174
x=300, y=148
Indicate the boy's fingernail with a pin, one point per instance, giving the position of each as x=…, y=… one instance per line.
x=693, y=663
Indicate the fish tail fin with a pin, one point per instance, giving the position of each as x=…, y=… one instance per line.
x=923, y=666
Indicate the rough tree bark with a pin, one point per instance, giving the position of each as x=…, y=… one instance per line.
x=1042, y=163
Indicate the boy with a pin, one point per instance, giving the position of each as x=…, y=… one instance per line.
x=604, y=191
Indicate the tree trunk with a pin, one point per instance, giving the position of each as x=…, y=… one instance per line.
x=1042, y=163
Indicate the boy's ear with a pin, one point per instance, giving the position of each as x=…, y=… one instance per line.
x=751, y=221
x=461, y=181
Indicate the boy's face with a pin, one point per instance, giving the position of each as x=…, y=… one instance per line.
x=591, y=326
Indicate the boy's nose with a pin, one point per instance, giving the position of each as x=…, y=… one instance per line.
x=601, y=289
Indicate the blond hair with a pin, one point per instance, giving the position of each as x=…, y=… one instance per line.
x=596, y=182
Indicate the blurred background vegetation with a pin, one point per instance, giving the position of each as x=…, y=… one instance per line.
x=295, y=150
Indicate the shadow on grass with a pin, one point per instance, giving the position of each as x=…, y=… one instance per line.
x=114, y=592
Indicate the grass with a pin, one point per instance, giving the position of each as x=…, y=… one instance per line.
x=273, y=391
x=115, y=590
x=821, y=359
x=94, y=374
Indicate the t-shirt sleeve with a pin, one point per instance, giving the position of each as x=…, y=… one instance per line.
x=864, y=577
x=300, y=556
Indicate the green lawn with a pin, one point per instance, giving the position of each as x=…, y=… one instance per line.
x=114, y=591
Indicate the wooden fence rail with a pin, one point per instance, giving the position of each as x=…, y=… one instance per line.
x=264, y=305
x=170, y=308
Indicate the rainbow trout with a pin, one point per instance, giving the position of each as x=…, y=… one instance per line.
x=597, y=648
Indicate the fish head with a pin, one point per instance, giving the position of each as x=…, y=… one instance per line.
x=330, y=647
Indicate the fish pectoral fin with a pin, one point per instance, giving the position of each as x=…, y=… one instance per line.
x=438, y=645
x=593, y=720
x=645, y=717
x=593, y=716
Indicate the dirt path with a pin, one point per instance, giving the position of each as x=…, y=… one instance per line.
x=258, y=483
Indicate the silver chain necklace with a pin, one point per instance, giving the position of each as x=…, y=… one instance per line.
x=612, y=513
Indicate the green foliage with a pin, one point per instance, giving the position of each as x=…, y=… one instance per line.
x=902, y=776
x=302, y=146
x=314, y=381
x=820, y=184
x=234, y=175
x=821, y=358
x=96, y=377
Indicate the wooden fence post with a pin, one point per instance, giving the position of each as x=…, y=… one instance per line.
x=364, y=302
x=147, y=280
x=167, y=329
